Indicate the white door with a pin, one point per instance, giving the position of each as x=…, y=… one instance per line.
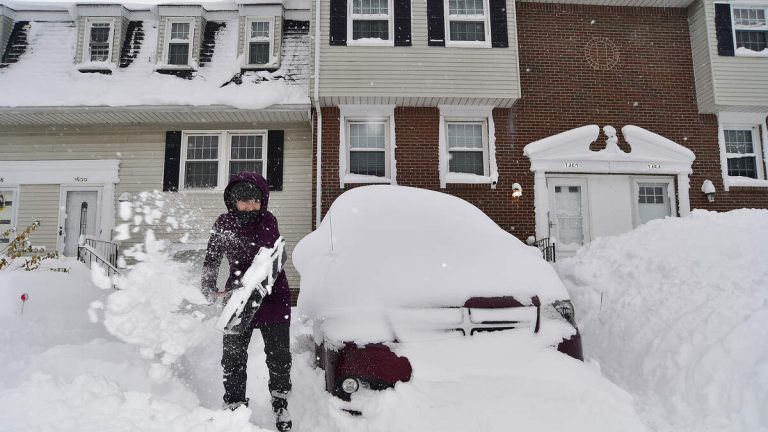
x=568, y=215
x=653, y=200
x=81, y=218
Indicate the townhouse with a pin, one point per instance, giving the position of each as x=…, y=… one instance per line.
x=101, y=104
x=562, y=120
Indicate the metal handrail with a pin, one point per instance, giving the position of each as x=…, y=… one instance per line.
x=547, y=249
x=103, y=253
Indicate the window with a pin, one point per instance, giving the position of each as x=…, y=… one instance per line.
x=467, y=147
x=99, y=41
x=750, y=28
x=209, y=159
x=743, y=153
x=467, y=23
x=370, y=21
x=259, y=42
x=179, y=36
x=367, y=147
x=7, y=215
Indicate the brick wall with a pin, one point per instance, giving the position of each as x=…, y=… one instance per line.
x=645, y=79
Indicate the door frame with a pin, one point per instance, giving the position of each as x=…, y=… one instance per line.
x=100, y=215
x=671, y=194
x=586, y=220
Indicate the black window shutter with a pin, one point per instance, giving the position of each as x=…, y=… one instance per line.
x=172, y=161
x=275, y=145
x=724, y=29
x=435, y=23
x=498, y=11
x=338, y=32
x=402, y=22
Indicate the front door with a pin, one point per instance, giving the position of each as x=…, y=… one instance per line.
x=568, y=214
x=81, y=218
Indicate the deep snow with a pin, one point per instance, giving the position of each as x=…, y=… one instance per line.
x=676, y=312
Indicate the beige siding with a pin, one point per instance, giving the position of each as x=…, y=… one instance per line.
x=40, y=202
x=740, y=83
x=702, y=67
x=80, y=39
x=141, y=152
x=418, y=70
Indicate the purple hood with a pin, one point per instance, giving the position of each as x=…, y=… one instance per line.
x=247, y=177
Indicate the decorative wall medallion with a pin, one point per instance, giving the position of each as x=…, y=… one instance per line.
x=601, y=53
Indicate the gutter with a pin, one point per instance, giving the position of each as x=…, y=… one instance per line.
x=319, y=113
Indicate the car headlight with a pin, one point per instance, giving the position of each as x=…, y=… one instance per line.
x=565, y=309
x=350, y=385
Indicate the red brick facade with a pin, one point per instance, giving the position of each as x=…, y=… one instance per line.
x=646, y=80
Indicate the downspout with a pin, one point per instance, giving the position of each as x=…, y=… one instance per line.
x=319, y=114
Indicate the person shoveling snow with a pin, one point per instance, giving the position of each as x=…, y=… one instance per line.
x=239, y=235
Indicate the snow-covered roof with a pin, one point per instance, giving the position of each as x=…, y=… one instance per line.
x=46, y=74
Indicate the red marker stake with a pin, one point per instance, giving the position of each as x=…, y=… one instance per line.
x=24, y=298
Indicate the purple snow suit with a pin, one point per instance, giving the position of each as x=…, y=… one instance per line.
x=240, y=243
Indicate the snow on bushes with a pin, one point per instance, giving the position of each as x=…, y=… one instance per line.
x=676, y=312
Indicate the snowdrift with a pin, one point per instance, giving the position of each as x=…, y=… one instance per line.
x=676, y=312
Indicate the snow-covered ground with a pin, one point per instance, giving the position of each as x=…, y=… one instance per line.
x=676, y=312
x=682, y=326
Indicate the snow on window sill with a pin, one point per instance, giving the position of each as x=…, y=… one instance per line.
x=746, y=52
x=96, y=66
x=467, y=44
x=160, y=66
x=464, y=178
x=746, y=181
x=359, y=178
x=370, y=42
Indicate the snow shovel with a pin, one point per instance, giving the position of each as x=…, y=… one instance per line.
x=257, y=283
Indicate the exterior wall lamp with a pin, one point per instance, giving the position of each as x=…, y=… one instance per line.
x=517, y=190
x=709, y=190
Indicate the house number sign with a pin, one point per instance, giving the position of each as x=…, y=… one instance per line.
x=654, y=166
x=81, y=179
x=571, y=165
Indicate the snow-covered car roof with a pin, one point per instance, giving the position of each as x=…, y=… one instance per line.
x=388, y=247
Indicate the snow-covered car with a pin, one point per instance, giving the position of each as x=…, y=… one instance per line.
x=391, y=266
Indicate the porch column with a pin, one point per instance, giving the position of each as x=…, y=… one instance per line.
x=541, y=204
x=684, y=200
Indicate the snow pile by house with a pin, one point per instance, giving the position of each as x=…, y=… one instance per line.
x=47, y=76
x=676, y=312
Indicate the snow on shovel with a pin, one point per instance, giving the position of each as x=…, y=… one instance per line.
x=257, y=282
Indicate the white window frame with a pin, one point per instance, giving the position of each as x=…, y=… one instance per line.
x=735, y=27
x=248, y=39
x=367, y=113
x=167, y=42
x=469, y=120
x=743, y=121
x=468, y=44
x=224, y=155
x=89, y=22
x=371, y=17
x=461, y=114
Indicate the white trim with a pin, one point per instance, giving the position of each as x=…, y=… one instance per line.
x=224, y=153
x=736, y=120
x=86, y=57
x=363, y=113
x=67, y=172
x=746, y=52
x=169, y=21
x=486, y=18
x=247, y=39
x=569, y=152
x=635, y=181
x=449, y=113
x=390, y=17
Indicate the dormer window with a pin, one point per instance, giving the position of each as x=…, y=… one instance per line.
x=370, y=21
x=467, y=23
x=259, y=42
x=179, y=42
x=98, y=42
